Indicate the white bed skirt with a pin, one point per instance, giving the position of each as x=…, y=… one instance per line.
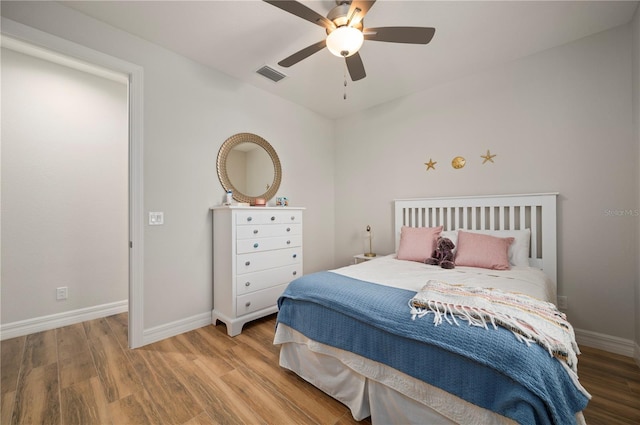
x=369, y=388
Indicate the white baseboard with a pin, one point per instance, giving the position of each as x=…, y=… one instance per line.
x=612, y=344
x=176, y=328
x=53, y=321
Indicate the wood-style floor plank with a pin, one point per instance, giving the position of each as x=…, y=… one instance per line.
x=8, y=400
x=116, y=373
x=271, y=407
x=40, y=349
x=610, y=379
x=85, y=374
x=171, y=398
x=37, y=398
x=136, y=408
x=11, y=358
x=259, y=368
x=212, y=393
x=201, y=419
x=71, y=340
x=84, y=403
x=119, y=324
x=96, y=329
x=77, y=368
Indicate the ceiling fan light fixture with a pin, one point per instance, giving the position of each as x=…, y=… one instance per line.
x=345, y=41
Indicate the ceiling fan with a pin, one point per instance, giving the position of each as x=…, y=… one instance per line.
x=346, y=32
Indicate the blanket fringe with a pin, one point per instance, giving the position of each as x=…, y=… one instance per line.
x=524, y=332
x=474, y=317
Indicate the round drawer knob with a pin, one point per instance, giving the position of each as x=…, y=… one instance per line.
x=248, y=304
x=247, y=284
x=273, y=218
x=247, y=263
x=293, y=217
x=288, y=242
x=249, y=219
x=255, y=245
x=295, y=255
x=295, y=273
x=255, y=232
x=288, y=229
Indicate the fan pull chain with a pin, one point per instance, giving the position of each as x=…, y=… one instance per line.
x=345, y=81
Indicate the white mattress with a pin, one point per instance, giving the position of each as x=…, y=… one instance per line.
x=389, y=396
x=412, y=275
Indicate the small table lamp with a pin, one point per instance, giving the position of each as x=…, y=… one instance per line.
x=370, y=236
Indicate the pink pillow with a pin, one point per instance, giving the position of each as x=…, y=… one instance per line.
x=417, y=243
x=478, y=250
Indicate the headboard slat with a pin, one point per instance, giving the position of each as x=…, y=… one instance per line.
x=534, y=231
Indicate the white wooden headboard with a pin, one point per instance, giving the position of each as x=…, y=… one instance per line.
x=500, y=212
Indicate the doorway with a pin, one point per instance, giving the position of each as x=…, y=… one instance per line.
x=131, y=78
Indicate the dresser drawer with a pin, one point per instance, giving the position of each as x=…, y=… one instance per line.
x=253, y=231
x=258, y=300
x=267, y=244
x=269, y=217
x=250, y=282
x=256, y=261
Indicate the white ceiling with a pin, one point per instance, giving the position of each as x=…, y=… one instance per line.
x=238, y=37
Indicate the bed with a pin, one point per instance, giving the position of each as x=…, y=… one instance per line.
x=364, y=335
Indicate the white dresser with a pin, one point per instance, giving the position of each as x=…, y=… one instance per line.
x=257, y=251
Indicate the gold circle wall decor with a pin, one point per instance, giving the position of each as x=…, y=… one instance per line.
x=458, y=162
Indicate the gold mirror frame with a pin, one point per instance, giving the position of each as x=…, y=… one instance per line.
x=223, y=175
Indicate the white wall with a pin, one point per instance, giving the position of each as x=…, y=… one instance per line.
x=189, y=111
x=559, y=120
x=64, y=188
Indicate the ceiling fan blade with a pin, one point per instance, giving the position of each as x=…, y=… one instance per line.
x=303, y=54
x=355, y=15
x=412, y=35
x=355, y=67
x=302, y=11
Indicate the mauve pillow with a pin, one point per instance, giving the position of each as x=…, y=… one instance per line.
x=485, y=251
x=519, y=249
x=417, y=243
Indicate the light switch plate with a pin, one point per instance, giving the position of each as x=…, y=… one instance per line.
x=156, y=218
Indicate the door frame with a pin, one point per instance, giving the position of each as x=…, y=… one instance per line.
x=136, y=188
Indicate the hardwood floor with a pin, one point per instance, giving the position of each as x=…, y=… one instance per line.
x=614, y=383
x=85, y=374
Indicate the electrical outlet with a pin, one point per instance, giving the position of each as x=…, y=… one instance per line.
x=563, y=303
x=62, y=293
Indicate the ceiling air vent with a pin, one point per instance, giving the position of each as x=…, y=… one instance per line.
x=271, y=73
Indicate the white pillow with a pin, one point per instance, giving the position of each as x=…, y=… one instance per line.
x=518, y=251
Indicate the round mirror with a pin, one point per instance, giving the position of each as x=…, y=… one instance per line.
x=249, y=167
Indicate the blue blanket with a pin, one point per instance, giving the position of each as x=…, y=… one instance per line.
x=488, y=368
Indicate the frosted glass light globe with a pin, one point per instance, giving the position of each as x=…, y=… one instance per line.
x=345, y=41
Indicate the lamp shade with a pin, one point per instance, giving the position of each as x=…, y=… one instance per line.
x=345, y=41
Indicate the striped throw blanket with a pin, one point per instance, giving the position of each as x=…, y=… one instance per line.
x=531, y=320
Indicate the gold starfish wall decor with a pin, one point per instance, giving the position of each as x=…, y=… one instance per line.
x=488, y=156
x=431, y=164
